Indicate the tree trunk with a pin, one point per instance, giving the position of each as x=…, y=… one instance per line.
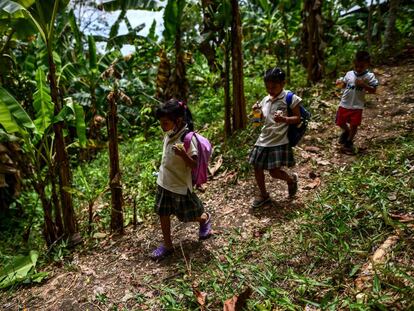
x=390, y=36
x=49, y=229
x=312, y=39
x=379, y=24
x=369, y=26
x=239, y=104
x=62, y=159
x=178, y=87
x=213, y=33
x=287, y=44
x=56, y=203
x=227, y=100
x=117, y=221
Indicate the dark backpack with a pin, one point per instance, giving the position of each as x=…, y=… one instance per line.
x=296, y=131
x=200, y=172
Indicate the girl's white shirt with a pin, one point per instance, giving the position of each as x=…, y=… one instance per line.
x=275, y=133
x=174, y=174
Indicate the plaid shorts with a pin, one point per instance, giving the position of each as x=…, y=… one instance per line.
x=186, y=207
x=271, y=157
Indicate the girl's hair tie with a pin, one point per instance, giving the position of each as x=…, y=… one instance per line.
x=182, y=104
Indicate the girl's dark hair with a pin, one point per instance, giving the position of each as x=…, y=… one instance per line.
x=274, y=75
x=174, y=109
x=362, y=56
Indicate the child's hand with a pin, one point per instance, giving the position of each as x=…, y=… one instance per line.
x=179, y=149
x=340, y=83
x=360, y=83
x=256, y=105
x=278, y=117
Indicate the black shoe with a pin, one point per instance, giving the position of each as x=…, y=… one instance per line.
x=343, y=138
x=348, y=148
x=349, y=145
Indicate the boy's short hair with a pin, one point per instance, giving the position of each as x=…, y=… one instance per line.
x=362, y=56
x=274, y=75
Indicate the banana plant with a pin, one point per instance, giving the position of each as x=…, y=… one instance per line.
x=36, y=140
x=174, y=15
x=42, y=14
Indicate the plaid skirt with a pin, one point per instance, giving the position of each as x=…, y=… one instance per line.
x=269, y=158
x=186, y=207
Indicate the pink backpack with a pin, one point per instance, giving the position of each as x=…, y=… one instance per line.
x=200, y=172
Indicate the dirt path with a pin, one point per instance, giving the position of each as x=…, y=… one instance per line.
x=120, y=268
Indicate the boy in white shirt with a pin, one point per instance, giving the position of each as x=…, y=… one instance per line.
x=355, y=83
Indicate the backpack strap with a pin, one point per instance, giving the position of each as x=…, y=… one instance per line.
x=289, y=98
x=187, y=139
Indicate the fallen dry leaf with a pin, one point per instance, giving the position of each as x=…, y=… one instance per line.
x=323, y=162
x=403, y=217
x=312, y=185
x=213, y=169
x=237, y=303
x=312, y=149
x=201, y=297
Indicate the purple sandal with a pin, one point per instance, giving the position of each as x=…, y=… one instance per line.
x=161, y=252
x=205, y=229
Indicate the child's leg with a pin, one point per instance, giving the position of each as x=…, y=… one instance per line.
x=166, y=231
x=342, y=116
x=345, y=128
x=292, y=180
x=205, y=226
x=260, y=180
x=202, y=219
x=354, y=122
x=352, y=132
x=280, y=174
x=345, y=134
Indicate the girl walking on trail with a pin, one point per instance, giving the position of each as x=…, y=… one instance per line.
x=272, y=150
x=175, y=194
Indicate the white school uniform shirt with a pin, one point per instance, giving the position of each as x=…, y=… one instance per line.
x=275, y=133
x=174, y=174
x=354, y=97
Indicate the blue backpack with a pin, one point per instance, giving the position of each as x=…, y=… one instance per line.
x=296, y=131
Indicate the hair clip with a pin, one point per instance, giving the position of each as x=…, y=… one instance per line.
x=182, y=104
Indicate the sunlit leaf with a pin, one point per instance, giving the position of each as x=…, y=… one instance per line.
x=12, y=114
x=42, y=103
x=18, y=270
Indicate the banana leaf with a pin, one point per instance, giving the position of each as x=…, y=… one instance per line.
x=21, y=269
x=115, y=5
x=12, y=115
x=73, y=113
x=172, y=18
x=42, y=103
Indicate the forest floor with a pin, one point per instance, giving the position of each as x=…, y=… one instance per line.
x=116, y=273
